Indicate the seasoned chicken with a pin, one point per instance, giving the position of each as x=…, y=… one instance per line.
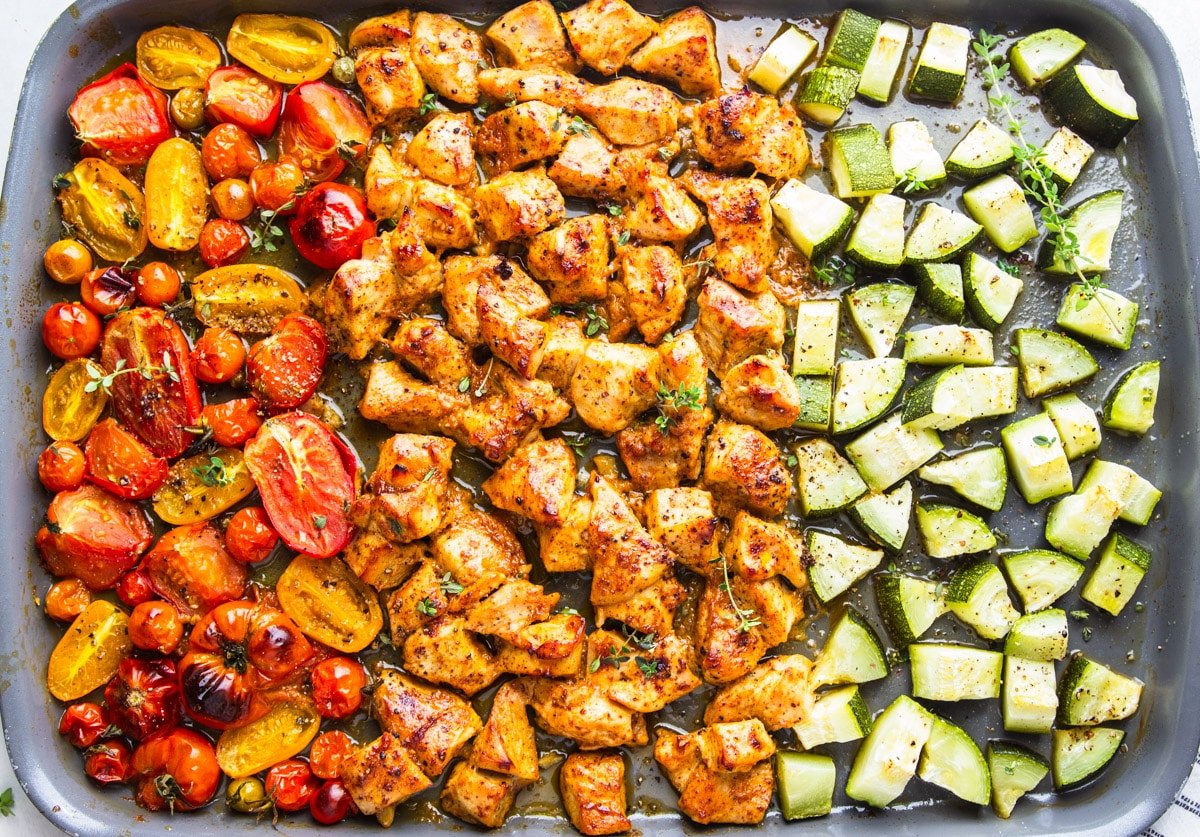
x=760, y=549
x=509, y=334
x=775, y=692
x=531, y=36
x=587, y=168
x=656, y=295
x=684, y=520
x=741, y=221
x=444, y=218
x=580, y=709
x=443, y=150
x=778, y=607
x=564, y=548
x=506, y=743
x=420, y=599
x=564, y=346
x=464, y=275
x=745, y=129
x=735, y=747
x=593, y=790
x=522, y=134
x=537, y=482
x=729, y=641
x=662, y=210
x=744, y=469
x=760, y=391
x=658, y=458
x=433, y=724
x=381, y=563
x=424, y=344
x=572, y=260
x=519, y=204
x=443, y=651
x=553, y=648
x=359, y=304
x=513, y=607
x=554, y=87
x=613, y=383
x=649, y=611
x=731, y=325
x=505, y=409
x=629, y=111
x=644, y=672
x=476, y=545
x=403, y=498
x=381, y=774
x=448, y=55
x=625, y=559
x=388, y=77
x=684, y=51
x=710, y=796
x=405, y=403
x=605, y=33
x=479, y=796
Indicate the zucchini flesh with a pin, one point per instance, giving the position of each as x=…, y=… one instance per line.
x=1039, y=636
x=837, y=716
x=1030, y=699
x=980, y=476
x=1015, y=770
x=814, y=221
x=858, y=161
x=1119, y=571
x=1094, y=224
x=978, y=596
x=939, y=234
x=1050, y=361
x=1091, y=693
x=950, y=672
x=1129, y=406
x=1042, y=55
x=890, y=451
x=826, y=93
x=886, y=516
x=1075, y=422
x=852, y=653
x=1099, y=314
x=825, y=481
x=878, y=238
x=1136, y=495
x=815, y=339
x=941, y=287
x=945, y=345
x=1036, y=458
x=1041, y=576
x=888, y=758
x=864, y=390
x=990, y=292
x=948, y=532
x=883, y=62
x=782, y=59
x=951, y=760
x=959, y=394
x=909, y=605
x=984, y=150
x=806, y=784
x=1000, y=206
x=1079, y=754
x=837, y=564
x=1076, y=524
x=1094, y=102
x=941, y=69
x=878, y=312
x=914, y=159
x=1064, y=155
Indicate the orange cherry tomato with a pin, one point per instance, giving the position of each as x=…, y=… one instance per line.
x=143, y=697
x=232, y=199
x=331, y=225
x=223, y=242
x=171, y=57
x=243, y=97
x=117, y=461
x=61, y=466
x=93, y=536
x=134, y=588
x=157, y=284
x=284, y=370
x=219, y=355
x=228, y=150
x=107, y=290
x=233, y=422
x=337, y=684
x=83, y=724
x=107, y=763
x=67, y=260
x=274, y=185
x=121, y=116
x=291, y=784
x=249, y=536
x=66, y=599
x=69, y=330
x=190, y=568
x=328, y=752
x=176, y=771
x=155, y=626
x=319, y=124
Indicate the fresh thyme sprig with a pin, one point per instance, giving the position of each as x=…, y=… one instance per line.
x=671, y=402
x=910, y=182
x=101, y=380
x=833, y=270
x=747, y=618
x=645, y=642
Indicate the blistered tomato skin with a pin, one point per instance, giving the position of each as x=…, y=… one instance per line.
x=105, y=208
x=157, y=283
x=319, y=124
x=93, y=536
x=184, y=755
x=249, y=536
x=338, y=684
x=233, y=422
x=190, y=568
x=331, y=224
x=134, y=588
x=219, y=355
x=118, y=462
x=232, y=199
x=106, y=290
x=143, y=699
x=155, y=626
x=67, y=261
x=83, y=724
x=107, y=763
x=291, y=784
x=242, y=96
x=61, y=466
x=331, y=803
x=69, y=330
x=328, y=751
x=228, y=150
x=176, y=196
x=122, y=116
x=274, y=184
x=66, y=599
x=223, y=242
x=285, y=369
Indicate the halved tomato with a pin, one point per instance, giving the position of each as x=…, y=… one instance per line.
x=72, y=403
x=118, y=462
x=93, y=536
x=305, y=485
x=105, y=208
x=246, y=298
x=284, y=731
x=90, y=652
x=122, y=116
x=159, y=399
x=284, y=48
x=243, y=97
x=284, y=370
x=171, y=57
x=200, y=487
x=190, y=568
x=320, y=124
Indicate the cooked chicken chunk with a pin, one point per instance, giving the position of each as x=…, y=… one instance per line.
x=448, y=56
x=381, y=774
x=731, y=326
x=432, y=723
x=444, y=218
x=730, y=645
x=710, y=796
x=653, y=278
x=425, y=345
x=613, y=383
x=537, y=482
x=476, y=545
x=743, y=468
x=684, y=51
x=760, y=549
x=443, y=149
x=740, y=217
x=554, y=87
x=593, y=791
x=531, y=36
x=513, y=607
x=564, y=548
x=508, y=411
x=662, y=210
x=745, y=129
x=519, y=204
x=479, y=796
x=522, y=134
x=509, y=334
x=625, y=559
x=760, y=391
x=605, y=32
x=381, y=563
x=564, y=346
x=419, y=600
x=405, y=403
x=403, y=500
x=645, y=672
x=391, y=84
x=684, y=520
x=359, y=304
x=777, y=605
x=553, y=648
x=649, y=611
x=587, y=168
x=631, y=112
x=735, y=747
x=580, y=709
x=776, y=692
x=506, y=743
x=464, y=275
x=444, y=652
x=572, y=260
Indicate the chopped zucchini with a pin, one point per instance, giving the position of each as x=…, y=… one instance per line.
x=826, y=93
x=1051, y=361
x=889, y=451
x=1094, y=224
x=877, y=240
x=837, y=716
x=864, y=390
x=815, y=339
x=1015, y=771
x=1079, y=754
x=956, y=395
x=883, y=62
x=999, y=204
x=939, y=234
x=951, y=760
x=886, y=517
x=983, y=150
x=1039, y=57
x=825, y=481
x=1076, y=423
x=806, y=784
x=814, y=221
x=858, y=162
x=1118, y=572
x=949, y=672
x=1136, y=495
x=878, y=312
x=784, y=56
x=1036, y=458
x=909, y=605
x=1129, y=406
x=1091, y=693
x=979, y=475
x=941, y=68
x=852, y=653
x=816, y=402
x=941, y=286
x=914, y=159
x=978, y=596
x=1099, y=314
x=850, y=40
x=1041, y=576
x=990, y=292
x=1077, y=523
x=1030, y=700
x=888, y=757
x=1064, y=156
x=948, y=531
x=945, y=345
x=1039, y=636
x=1094, y=102
x=837, y=564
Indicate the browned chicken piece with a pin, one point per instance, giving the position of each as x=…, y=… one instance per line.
x=731, y=325
x=572, y=260
x=444, y=218
x=565, y=345
x=709, y=795
x=554, y=87
x=419, y=600
x=580, y=709
x=613, y=383
x=359, y=304
x=479, y=796
x=662, y=210
x=745, y=129
x=519, y=204
x=384, y=65
x=512, y=337
x=593, y=791
x=741, y=221
x=760, y=391
x=729, y=798
x=760, y=549
x=463, y=277
x=443, y=149
x=685, y=521
x=476, y=545
x=778, y=607
x=630, y=111
x=530, y=37
x=432, y=723
x=443, y=651
x=434, y=215
x=656, y=295
x=425, y=345
x=649, y=611
x=510, y=408
x=657, y=459
x=605, y=33
x=614, y=311
x=381, y=774
x=684, y=51
x=448, y=55
x=643, y=673
x=678, y=755
x=735, y=747
x=743, y=468
x=513, y=607
x=403, y=496
x=517, y=136
x=553, y=648
x=587, y=168
x=625, y=559
x=776, y=692
x=384, y=30
x=381, y=563
x=683, y=366
x=405, y=403
x=506, y=743
x=564, y=548
x=730, y=643
x=537, y=482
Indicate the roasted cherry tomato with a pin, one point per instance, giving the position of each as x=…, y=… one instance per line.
x=157, y=284
x=67, y=261
x=73, y=401
x=177, y=771
x=248, y=298
x=285, y=48
x=121, y=116
x=233, y=422
x=93, y=536
x=249, y=536
x=117, y=461
x=331, y=225
x=284, y=370
x=291, y=784
x=69, y=330
x=107, y=290
x=228, y=150
x=320, y=123
x=61, y=466
x=337, y=684
x=223, y=242
x=331, y=803
x=242, y=96
x=190, y=568
x=274, y=185
x=176, y=196
x=232, y=199
x=158, y=400
x=107, y=763
x=248, y=796
x=187, y=108
x=219, y=355
x=105, y=208
x=135, y=588
x=200, y=487
x=287, y=729
x=171, y=57
x=66, y=599
x=328, y=752
x=143, y=698
x=89, y=652
x=155, y=626
x=238, y=650
x=305, y=483
x=83, y=724
x=330, y=603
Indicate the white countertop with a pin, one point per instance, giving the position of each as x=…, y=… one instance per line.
x=22, y=23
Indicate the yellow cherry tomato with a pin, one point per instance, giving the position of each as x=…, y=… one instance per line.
x=89, y=652
x=69, y=408
x=171, y=57
x=284, y=48
x=200, y=487
x=176, y=196
x=247, y=298
x=105, y=208
x=289, y=727
x=330, y=603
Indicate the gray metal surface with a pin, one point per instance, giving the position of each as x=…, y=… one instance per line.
x=1158, y=248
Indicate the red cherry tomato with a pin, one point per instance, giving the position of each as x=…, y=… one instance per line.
x=228, y=151
x=143, y=697
x=320, y=123
x=61, y=466
x=121, y=116
x=275, y=185
x=134, y=588
x=107, y=290
x=337, y=686
x=107, y=763
x=117, y=461
x=291, y=785
x=304, y=482
x=158, y=399
x=331, y=803
x=155, y=626
x=93, y=536
x=157, y=284
x=328, y=751
x=249, y=536
x=243, y=97
x=190, y=568
x=219, y=355
x=69, y=330
x=83, y=724
x=176, y=771
x=222, y=242
x=331, y=225
x=284, y=370
x=233, y=422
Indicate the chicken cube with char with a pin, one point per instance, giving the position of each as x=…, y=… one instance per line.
x=359, y=305
x=519, y=204
x=388, y=187
x=554, y=87
x=476, y=546
x=425, y=345
x=662, y=210
x=381, y=563
x=404, y=495
x=776, y=605
x=776, y=692
x=732, y=325
x=433, y=215
x=537, y=482
x=465, y=275
x=629, y=111
x=564, y=548
x=564, y=346
x=684, y=52
x=513, y=607
x=643, y=673
x=759, y=549
x=572, y=260
x=588, y=167
x=384, y=66
x=593, y=792
x=748, y=130
x=448, y=55
x=443, y=150
x=710, y=796
x=479, y=796
x=614, y=383
x=444, y=218
x=649, y=611
x=604, y=33
x=684, y=520
x=625, y=559
x=530, y=37
x=580, y=709
x=729, y=642
x=510, y=408
x=506, y=744
x=743, y=468
x=405, y=403
x=422, y=596
x=443, y=651
x=741, y=221
x=513, y=138
x=509, y=334
x=381, y=775
x=433, y=724
x=760, y=391
x=553, y=648
x=656, y=294
x=735, y=747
